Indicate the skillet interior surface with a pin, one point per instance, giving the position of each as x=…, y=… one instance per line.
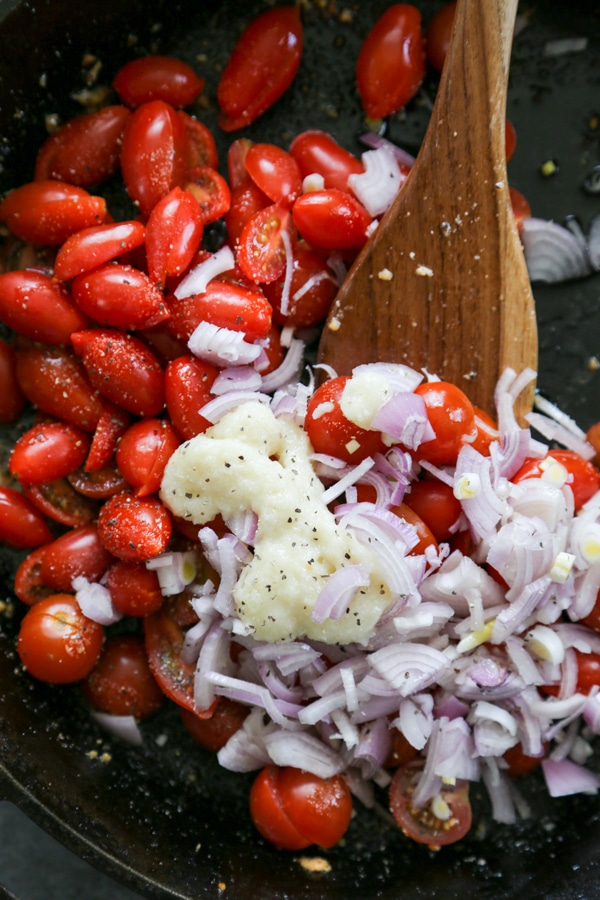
x=165, y=819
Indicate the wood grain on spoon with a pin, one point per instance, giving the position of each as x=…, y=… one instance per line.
x=459, y=301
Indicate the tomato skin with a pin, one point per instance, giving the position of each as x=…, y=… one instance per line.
x=268, y=815
x=487, y=432
x=588, y=671
x=153, y=154
x=201, y=147
x=435, y=503
x=12, y=398
x=134, y=589
x=173, y=235
x=331, y=219
x=262, y=65
x=28, y=585
x=21, y=524
x=48, y=451
x=121, y=682
x=318, y=152
x=520, y=207
x=85, y=150
x=452, y=417
x=188, y=381
x=144, y=451
x=585, y=476
x=48, y=212
x=120, y=296
x=57, y=643
x=313, y=304
x=424, y=532
x=123, y=369
x=37, y=308
x=77, y=552
x=226, y=305
x=212, y=734
x=421, y=825
x=593, y=437
x=275, y=172
x=60, y=502
x=157, y=78
x=91, y=247
x=391, y=62
x=246, y=197
x=210, y=191
x=519, y=763
x=261, y=252
x=330, y=432
x=438, y=35
x=137, y=528
x=98, y=484
x=112, y=424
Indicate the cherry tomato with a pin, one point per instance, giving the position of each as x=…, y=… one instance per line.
x=510, y=138
x=210, y=191
x=111, y=426
x=226, y=305
x=435, y=503
x=57, y=643
x=92, y=247
x=134, y=589
x=261, y=67
x=330, y=432
x=588, y=671
x=48, y=212
x=318, y=152
x=273, y=350
x=520, y=207
x=59, y=501
x=201, y=148
x=246, y=197
x=212, y=734
x=452, y=417
x=438, y=35
x=311, y=293
x=77, y=552
x=519, y=763
x=28, y=585
x=262, y=253
x=12, y=399
x=275, y=172
x=123, y=369
x=132, y=527
x=585, y=477
x=85, y=150
x=401, y=753
x=144, y=451
x=592, y=620
x=487, y=432
x=48, y=451
x=21, y=524
x=37, y=308
x=173, y=235
x=121, y=682
x=391, y=62
x=294, y=809
x=98, y=484
x=157, y=78
x=331, y=219
x=153, y=155
x=593, y=437
x=424, y=532
x=188, y=381
x=120, y=296
x=421, y=824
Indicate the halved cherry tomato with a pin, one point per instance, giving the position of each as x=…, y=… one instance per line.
x=275, y=172
x=438, y=35
x=120, y=296
x=188, y=381
x=273, y=349
x=318, y=152
x=331, y=219
x=77, y=552
x=92, y=247
x=593, y=437
x=510, y=139
x=112, y=424
x=452, y=417
x=520, y=207
x=330, y=432
x=21, y=524
x=402, y=751
x=133, y=527
x=262, y=65
x=134, y=589
x=519, y=763
x=212, y=734
x=585, y=477
x=28, y=585
x=424, y=532
x=48, y=451
x=48, y=212
x=157, y=78
x=12, y=399
x=173, y=235
x=311, y=293
x=262, y=253
x=57, y=643
x=98, y=484
x=59, y=501
x=210, y=190
x=201, y=147
x=144, y=451
x=226, y=305
x=435, y=503
x=85, y=150
x=391, y=61
x=34, y=306
x=421, y=824
x=121, y=683
x=487, y=432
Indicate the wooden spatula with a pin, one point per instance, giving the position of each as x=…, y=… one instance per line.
x=459, y=301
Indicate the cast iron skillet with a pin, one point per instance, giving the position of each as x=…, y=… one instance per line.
x=165, y=819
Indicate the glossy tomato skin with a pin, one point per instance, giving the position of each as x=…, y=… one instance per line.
x=112, y=424
x=77, y=552
x=85, y=150
x=120, y=296
x=134, y=589
x=391, y=63
x=267, y=813
x=318, y=152
x=438, y=35
x=21, y=524
x=210, y=191
x=312, y=290
x=121, y=683
x=452, y=417
x=28, y=585
x=99, y=484
x=520, y=207
x=57, y=643
x=91, y=247
x=173, y=235
x=157, y=78
x=421, y=824
x=264, y=243
x=246, y=197
x=37, y=308
x=226, y=305
x=188, y=381
x=275, y=172
x=144, y=451
x=435, y=503
x=48, y=451
x=262, y=65
x=59, y=501
x=330, y=432
x=153, y=155
x=585, y=477
x=122, y=368
x=48, y=212
x=588, y=671
x=331, y=219
x=213, y=733
x=12, y=399
x=137, y=528
x=201, y=147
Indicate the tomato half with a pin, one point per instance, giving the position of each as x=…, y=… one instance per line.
x=330, y=432
x=262, y=252
x=210, y=191
x=226, y=305
x=121, y=683
x=173, y=235
x=311, y=293
x=422, y=824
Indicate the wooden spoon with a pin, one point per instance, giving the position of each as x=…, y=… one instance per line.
x=459, y=301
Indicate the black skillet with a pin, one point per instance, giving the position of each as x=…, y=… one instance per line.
x=165, y=819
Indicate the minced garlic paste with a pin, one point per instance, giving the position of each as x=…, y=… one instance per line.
x=251, y=460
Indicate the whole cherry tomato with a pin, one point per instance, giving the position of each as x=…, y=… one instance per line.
x=173, y=235
x=37, y=308
x=262, y=65
x=188, y=381
x=121, y=682
x=585, y=477
x=144, y=451
x=57, y=643
x=318, y=152
x=331, y=219
x=134, y=589
x=212, y=734
x=435, y=503
x=391, y=63
x=262, y=252
x=21, y=524
x=77, y=552
x=157, y=78
x=438, y=35
x=226, y=305
x=91, y=247
x=422, y=824
x=120, y=296
x=330, y=432
x=48, y=212
x=452, y=417
x=48, y=451
x=311, y=293
x=12, y=399
x=275, y=172
x=132, y=527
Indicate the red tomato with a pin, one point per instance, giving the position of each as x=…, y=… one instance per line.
x=123, y=369
x=318, y=152
x=99, y=484
x=330, y=432
x=424, y=532
x=261, y=67
x=438, y=35
x=585, y=477
x=154, y=153
x=226, y=305
x=588, y=671
x=57, y=643
x=188, y=381
x=173, y=235
x=85, y=150
x=91, y=247
x=246, y=197
x=312, y=290
x=54, y=380
x=12, y=399
x=294, y=809
x=143, y=453
x=519, y=763
x=120, y=296
x=37, y=308
x=391, y=61
x=593, y=437
x=487, y=432
x=134, y=589
x=261, y=252
x=21, y=524
x=421, y=824
x=212, y=734
x=60, y=502
x=452, y=417
x=520, y=207
x=28, y=585
x=132, y=527
x=48, y=212
x=111, y=426
x=592, y=620
x=273, y=349
x=77, y=552
x=210, y=190
x=435, y=503
x=401, y=753
x=157, y=78
x=510, y=139
x=275, y=172
x=331, y=219
x=201, y=148
x=121, y=682
x=48, y=451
